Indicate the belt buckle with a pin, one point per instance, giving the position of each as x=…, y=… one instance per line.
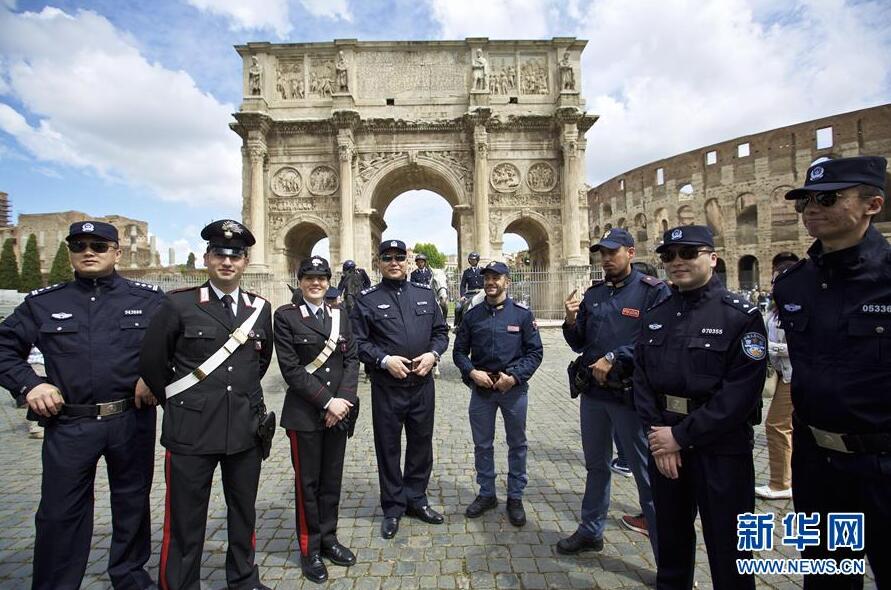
x=830, y=440
x=239, y=335
x=676, y=404
x=109, y=408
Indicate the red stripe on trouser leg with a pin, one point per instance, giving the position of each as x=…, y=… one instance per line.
x=165, y=544
x=302, y=532
x=254, y=540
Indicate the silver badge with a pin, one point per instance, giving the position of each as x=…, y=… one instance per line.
x=317, y=262
x=677, y=234
x=62, y=315
x=384, y=306
x=816, y=173
x=422, y=303
x=655, y=326
x=792, y=307
x=87, y=227
x=394, y=244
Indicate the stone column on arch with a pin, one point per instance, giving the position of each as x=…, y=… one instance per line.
x=571, y=184
x=346, y=150
x=481, y=191
x=257, y=222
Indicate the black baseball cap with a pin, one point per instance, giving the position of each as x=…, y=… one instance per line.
x=392, y=244
x=98, y=229
x=835, y=175
x=497, y=268
x=314, y=266
x=614, y=239
x=687, y=235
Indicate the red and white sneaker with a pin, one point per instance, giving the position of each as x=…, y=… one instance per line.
x=636, y=523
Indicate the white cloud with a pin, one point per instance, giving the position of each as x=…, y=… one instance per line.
x=328, y=8
x=258, y=14
x=496, y=19
x=99, y=104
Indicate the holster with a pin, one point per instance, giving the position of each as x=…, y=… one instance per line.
x=621, y=390
x=265, y=432
x=579, y=377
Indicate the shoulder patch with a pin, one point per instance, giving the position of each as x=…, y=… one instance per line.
x=146, y=286
x=651, y=281
x=754, y=346
x=369, y=289
x=791, y=269
x=521, y=304
x=739, y=303
x=253, y=295
x=421, y=285
x=46, y=289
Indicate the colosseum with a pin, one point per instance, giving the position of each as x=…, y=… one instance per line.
x=736, y=188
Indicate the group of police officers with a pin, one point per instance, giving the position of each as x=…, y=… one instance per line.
x=674, y=369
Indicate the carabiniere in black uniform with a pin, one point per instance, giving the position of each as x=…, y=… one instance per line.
x=700, y=365
x=90, y=332
x=212, y=422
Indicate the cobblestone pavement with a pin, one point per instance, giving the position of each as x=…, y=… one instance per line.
x=461, y=553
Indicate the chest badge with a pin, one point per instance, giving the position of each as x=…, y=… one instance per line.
x=630, y=312
x=62, y=315
x=792, y=307
x=713, y=331
x=384, y=306
x=421, y=302
x=132, y=312
x=513, y=328
x=655, y=326
x=754, y=345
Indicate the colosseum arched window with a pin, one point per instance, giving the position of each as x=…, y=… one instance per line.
x=714, y=218
x=783, y=218
x=686, y=215
x=662, y=219
x=640, y=228
x=746, y=219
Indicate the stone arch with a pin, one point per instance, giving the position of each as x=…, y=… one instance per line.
x=622, y=223
x=884, y=216
x=747, y=271
x=714, y=218
x=536, y=230
x=721, y=270
x=297, y=239
x=607, y=211
x=597, y=233
x=746, y=219
x=686, y=216
x=661, y=218
x=640, y=228
x=783, y=218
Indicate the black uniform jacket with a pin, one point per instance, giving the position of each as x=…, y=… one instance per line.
x=299, y=338
x=836, y=310
x=219, y=414
x=90, y=332
x=708, y=345
x=398, y=318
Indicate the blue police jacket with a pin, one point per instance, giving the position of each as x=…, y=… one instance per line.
x=836, y=310
x=471, y=280
x=90, y=332
x=609, y=320
x=397, y=318
x=422, y=275
x=710, y=346
x=501, y=338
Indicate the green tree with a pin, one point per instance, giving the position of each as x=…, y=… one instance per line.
x=9, y=267
x=61, y=271
x=435, y=258
x=190, y=261
x=31, y=275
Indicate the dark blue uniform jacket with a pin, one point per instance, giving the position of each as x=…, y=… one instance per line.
x=609, y=320
x=503, y=338
x=422, y=275
x=836, y=310
x=90, y=333
x=471, y=280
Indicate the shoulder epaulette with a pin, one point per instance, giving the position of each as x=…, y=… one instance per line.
x=182, y=290
x=146, y=286
x=652, y=281
x=254, y=295
x=660, y=302
x=421, y=285
x=739, y=303
x=369, y=289
x=46, y=289
x=596, y=284
x=521, y=304
x=791, y=269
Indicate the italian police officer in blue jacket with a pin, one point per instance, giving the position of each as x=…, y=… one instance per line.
x=700, y=364
x=603, y=328
x=401, y=334
x=422, y=274
x=497, y=350
x=835, y=307
x=93, y=404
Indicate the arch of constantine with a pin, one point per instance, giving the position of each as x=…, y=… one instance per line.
x=333, y=132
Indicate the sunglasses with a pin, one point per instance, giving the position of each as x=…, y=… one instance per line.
x=825, y=199
x=392, y=257
x=79, y=246
x=684, y=252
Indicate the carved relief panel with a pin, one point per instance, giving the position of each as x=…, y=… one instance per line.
x=289, y=82
x=503, y=74
x=321, y=77
x=534, y=74
x=287, y=182
x=323, y=180
x=541, y=177
x=505, y=178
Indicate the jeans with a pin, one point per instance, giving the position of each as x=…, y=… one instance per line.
x=483, y=407
x=599, y=419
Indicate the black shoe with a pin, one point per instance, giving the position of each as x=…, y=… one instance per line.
x=389, y=527
x=577, y=543
x=314, y=568
x=480, y=505
x=425, y=513
x=339, y=555
x=516, y=514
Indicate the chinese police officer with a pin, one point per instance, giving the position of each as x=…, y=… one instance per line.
x=497, y=350
x=603, y=327
x=318, y=361
x=835, y=307
x=422, y=274
x=93, y=404
x=400, y=333
x=205, y=352
x=700, y=365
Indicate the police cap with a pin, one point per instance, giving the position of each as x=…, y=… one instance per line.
x=835, y=175
x=228, y=237
x=98, y=229
x=473, y=256
x=687, y=235
x=314, y=266
x=497, y=268
x=392, y=245
x=614, y=239
x=421, y=257
x=348, y=264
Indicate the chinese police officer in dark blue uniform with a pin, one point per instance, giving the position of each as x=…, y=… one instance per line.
x=700, y=365
x=400, y=334
x=497, y=350
x=422, y=274
x=93, y=404
x=835, y=307
x=603, y=327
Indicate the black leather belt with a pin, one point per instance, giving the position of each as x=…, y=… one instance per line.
x=98, y=410
x=877, y=442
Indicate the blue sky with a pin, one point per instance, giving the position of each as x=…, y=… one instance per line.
x=114, y=106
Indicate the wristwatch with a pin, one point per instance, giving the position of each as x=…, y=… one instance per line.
x=435, y=354
x=610, y=357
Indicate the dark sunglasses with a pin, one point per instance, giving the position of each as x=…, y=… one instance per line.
x=79, y=246
x=392, y=257
x=685, y=252
x=825, y=199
